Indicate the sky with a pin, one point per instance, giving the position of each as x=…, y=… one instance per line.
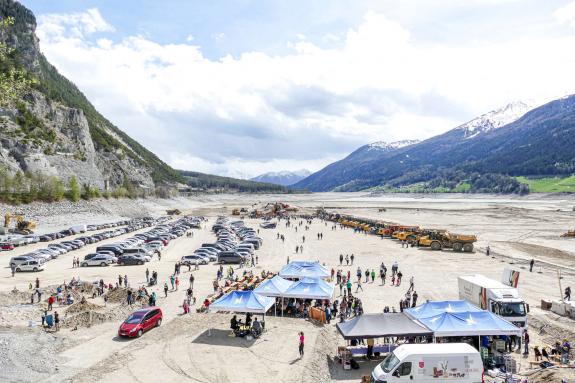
x=243, y=87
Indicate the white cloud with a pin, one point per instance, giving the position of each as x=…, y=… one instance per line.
x=566, y=14
x=76, y=25
x=257, y=112
x=189, y=38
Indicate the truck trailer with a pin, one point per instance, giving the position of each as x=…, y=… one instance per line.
x=494, y=296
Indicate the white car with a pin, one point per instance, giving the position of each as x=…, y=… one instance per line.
x=192, y=259
x=99, y=260
x=34, y=265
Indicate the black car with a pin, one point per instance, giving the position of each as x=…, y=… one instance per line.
x=130, y=260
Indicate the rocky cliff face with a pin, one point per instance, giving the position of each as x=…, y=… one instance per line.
x=55, y=130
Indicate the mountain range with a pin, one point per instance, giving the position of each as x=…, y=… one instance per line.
x=54, y=131
x=285, y=178
x=482, y=155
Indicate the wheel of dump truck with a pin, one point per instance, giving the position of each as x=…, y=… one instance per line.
x=435, y=246
x=468, y=247
x=457, y=246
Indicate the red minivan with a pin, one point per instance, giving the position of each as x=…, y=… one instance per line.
x=141, y=321
x=6, y=246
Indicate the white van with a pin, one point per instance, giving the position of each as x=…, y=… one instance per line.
x=431, y=362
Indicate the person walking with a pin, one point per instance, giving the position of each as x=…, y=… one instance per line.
x=359, y=285
x=487, y=251
x=366, y=275
x=347, y=259
x=120, y=280
x=177, y=283
x=125, y=280
x=399, y=275
x=172, y=282
x=352, y=258
x=382, y=276
x=372, y=275
x=411, y=284
x=13, y=269
x=567, y=293
x=147, y=275
x=358, y=273
x=348, y=285
x=531, y=263
x=526, y=342
x=165, y=289
x=301, y=344
x=340, y=259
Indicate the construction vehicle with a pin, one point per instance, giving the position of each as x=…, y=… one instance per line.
x=438, y=240
x=173, y=212
x=22, y=226
x=406, y=235
x=236, y=212
x=569, y=234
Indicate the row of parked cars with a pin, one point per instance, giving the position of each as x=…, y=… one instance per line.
x=11, y=242
x=34, y=261
x=140, y=248
x=235, y=243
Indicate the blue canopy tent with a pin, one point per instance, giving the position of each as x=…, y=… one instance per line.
x=275, y=287
x=243, y=302
x=310, y=288
x=304, y=269
x=433, y=308
x=474, y=323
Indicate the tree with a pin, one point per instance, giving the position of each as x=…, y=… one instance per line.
x=74, y=193
x=14, y=80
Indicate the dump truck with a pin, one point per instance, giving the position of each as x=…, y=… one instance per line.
x=494, y=296
x=236, y=212
x=445, y=240
x=569, y=234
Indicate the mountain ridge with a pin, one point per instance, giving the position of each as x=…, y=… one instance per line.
x=284, y=178
x=490, y=149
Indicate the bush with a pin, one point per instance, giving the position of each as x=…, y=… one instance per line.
x=74, y=193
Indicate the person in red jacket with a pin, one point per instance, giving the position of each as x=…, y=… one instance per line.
x=50, y=302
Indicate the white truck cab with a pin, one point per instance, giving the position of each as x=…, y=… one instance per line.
x=430, y=362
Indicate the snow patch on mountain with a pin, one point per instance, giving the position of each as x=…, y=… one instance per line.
x=496, y=118
x=283, y=177
x=383, y=145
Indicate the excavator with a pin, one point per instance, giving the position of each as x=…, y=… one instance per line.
x=22, y=226
x=442, y=239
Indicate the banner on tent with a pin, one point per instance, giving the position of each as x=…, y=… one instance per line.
x=317, y=314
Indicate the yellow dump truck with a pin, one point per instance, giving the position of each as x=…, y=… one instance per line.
x=447, y=240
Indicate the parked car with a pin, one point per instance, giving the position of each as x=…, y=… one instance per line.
x=6, y=246
x=141, y=321
x=15, y=261
x=98, y=260
x=33, y=265
x=191, y=259
x=130, y=260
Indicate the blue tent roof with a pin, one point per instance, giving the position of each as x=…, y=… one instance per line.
x=274, y=287
x=303, y=269
x=243, y=302
x=310, y=288
x=433, y=308
x=472, y=323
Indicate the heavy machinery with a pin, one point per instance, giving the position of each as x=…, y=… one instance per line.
x=173, y=212
x=569, y=234
x=406, y=235
x=22, y=226
x=236, y=212
x=439, y=240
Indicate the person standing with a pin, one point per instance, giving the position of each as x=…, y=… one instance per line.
x=352, y=258
x=531, y=265
x=399, y=275
x=340, y=259
x=37, y=283
x=526, y=342
x=348, y=287
x=301, y=344
x=372, y=275
x=366, y=275
x=192, y=281
x=126, y=280
x=165, y=289
x=147, y=275
x=177, y=282
x=57, y=320
x=347, y=259
x=414, y=299
x=13, y=269
x=370, y=343
x=487, y=251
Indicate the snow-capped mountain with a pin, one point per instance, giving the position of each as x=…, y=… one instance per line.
x=496, y=118
x=513, y=140
x=384, y=145
x=284, y=177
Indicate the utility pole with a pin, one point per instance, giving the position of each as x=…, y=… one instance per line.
x=560, y=288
